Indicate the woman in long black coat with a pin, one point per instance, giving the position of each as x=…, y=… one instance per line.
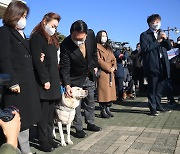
x=16, y=60
x=43, y=41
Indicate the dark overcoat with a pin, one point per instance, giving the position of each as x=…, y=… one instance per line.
x=151, y=50
x=46, y=71
x=16, y=60
x=74, y=68
x=120, y=68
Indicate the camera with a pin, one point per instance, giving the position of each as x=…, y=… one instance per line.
x=6, y=114
x=119, y=46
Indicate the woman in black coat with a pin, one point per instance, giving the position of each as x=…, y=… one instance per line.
x=43, y=41
x=16, y=60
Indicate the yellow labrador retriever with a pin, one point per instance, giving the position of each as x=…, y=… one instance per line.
x=66, y=111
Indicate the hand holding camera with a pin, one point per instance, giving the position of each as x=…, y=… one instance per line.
x=7, y=115
x=10, y=123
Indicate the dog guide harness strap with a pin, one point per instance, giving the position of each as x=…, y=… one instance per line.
x=64, y=108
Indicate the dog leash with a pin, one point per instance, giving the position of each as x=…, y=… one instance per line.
x=62, y=89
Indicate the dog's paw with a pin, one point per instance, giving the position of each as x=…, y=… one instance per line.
x=70, y=142
x=63, y=144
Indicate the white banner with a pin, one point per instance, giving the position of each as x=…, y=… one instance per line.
x=173, y=52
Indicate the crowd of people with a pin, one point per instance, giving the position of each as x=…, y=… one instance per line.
x=86, y=60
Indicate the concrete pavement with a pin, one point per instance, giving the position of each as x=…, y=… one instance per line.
x=131, y=131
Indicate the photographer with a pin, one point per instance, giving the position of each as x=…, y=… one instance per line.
x=137, y=71
x=11, y=130
x=154, y=46
x=121, y=56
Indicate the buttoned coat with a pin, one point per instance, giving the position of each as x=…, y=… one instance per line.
x=46, y=71
x=74, y=68
x=16, y=60
x=151, y=50
x=106, y=60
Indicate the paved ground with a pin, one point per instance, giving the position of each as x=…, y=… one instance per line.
x=131, y=131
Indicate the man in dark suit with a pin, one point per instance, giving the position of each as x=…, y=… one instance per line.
x=138, y=68
x=78, y=65
x=154, y=44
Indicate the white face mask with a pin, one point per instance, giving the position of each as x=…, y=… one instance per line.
x=78, y=43
x=50, y=30
x=21, y=24
x=156, y=26
x=178, y=42
x=138, y=48
x=103, y=39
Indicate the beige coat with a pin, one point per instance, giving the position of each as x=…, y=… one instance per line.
x=106, y=61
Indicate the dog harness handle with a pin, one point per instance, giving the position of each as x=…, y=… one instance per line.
x=62, y=89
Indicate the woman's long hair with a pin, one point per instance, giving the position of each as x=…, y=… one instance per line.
x=14, y=12
x=41, y=28
x=98, y=39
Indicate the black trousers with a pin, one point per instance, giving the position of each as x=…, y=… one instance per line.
x=155, y=90
x=45, y=126
x=129, y=89
x=168, y=89
x=138, y=76
x=119, y=83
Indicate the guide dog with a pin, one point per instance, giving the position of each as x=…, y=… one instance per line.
x=66, y=111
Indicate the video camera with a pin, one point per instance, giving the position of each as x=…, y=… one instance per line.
x=6, y=114
x=119, y=46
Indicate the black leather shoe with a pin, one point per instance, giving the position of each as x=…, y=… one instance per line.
x=93, y=127
x=53, y=143
x=154, y=114
x=109, y=112
x=80, y=134
x=104, y=114
x=46, y=147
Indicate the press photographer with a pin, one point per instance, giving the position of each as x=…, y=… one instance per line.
x=121, y=54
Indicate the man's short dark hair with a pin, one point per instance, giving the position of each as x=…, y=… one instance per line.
x=153, y=17
x=79, y=26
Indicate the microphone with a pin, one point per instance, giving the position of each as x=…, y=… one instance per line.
x=160, y=34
